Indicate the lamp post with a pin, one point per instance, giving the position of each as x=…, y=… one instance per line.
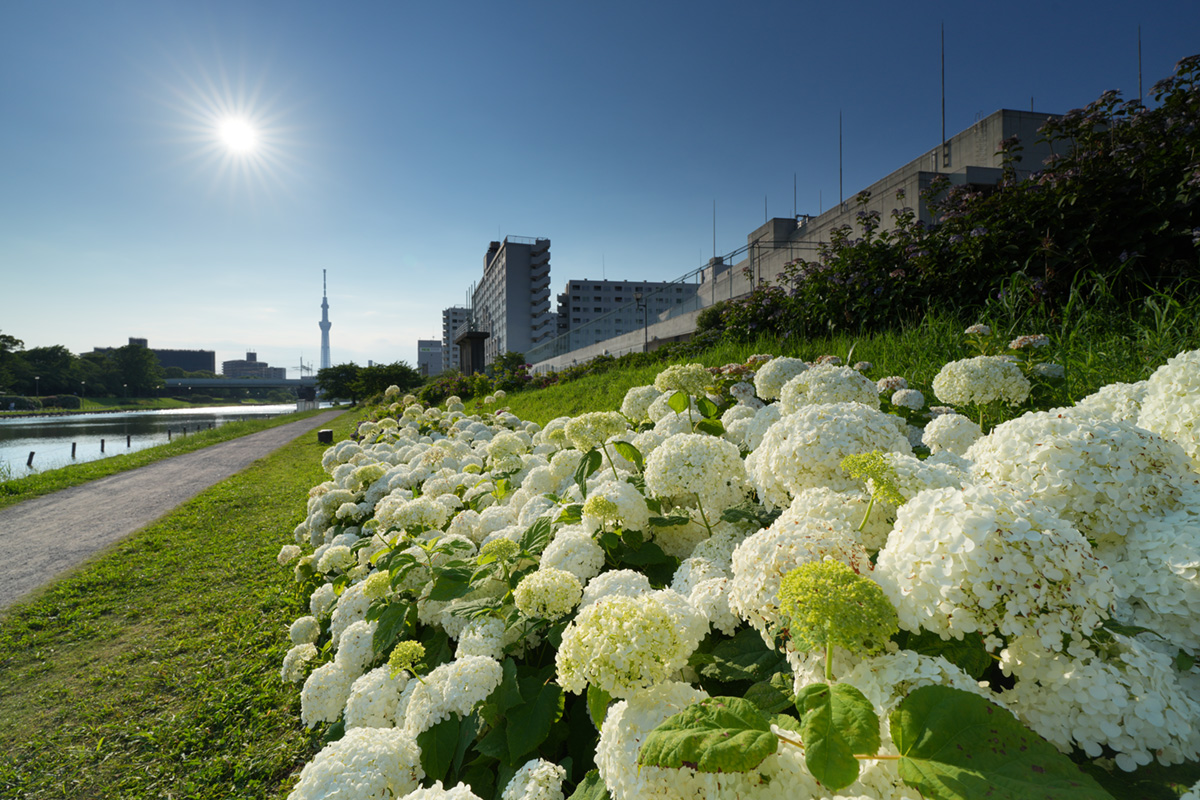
x=640, y=300
x=82, y=395
x=37, y=386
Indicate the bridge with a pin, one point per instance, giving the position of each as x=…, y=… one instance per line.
x=241, y=383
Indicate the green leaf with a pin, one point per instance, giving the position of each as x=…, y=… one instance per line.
x=787, y=723
x=837, y=723
x=668, y=522
x=537, y=536
x=678, y=402
x=391, y=626
x=719, y=734
x=712, y=427
x=1184, y=662
x=956, y=745
x=450, y=584
x=438, y=745
x=707, y=408
x=467, y=732
x=529, y=724
x=742, y=658
x=631, y=454
x=570, y=514
x=597, y=705
x=774, y=694
x=591, y=788
x=587, y=466
x=967, y=653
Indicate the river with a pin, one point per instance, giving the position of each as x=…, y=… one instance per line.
x=50, y=438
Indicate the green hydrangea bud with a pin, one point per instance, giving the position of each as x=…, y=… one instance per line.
x=377, y=585
x=499, y=549
x=827, y=603
x=601, y=508
x=875, y=468
x=405, y=656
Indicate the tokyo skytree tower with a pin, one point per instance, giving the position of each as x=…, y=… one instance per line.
x=325, y=324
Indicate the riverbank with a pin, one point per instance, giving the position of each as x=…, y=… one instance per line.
x=145, y=404
x=42, y=483
x=153, y=671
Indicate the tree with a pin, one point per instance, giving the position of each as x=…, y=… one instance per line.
x=53, y=367
x=138, y=369
x=8, y=358
x=339, y=381
x=376, y=379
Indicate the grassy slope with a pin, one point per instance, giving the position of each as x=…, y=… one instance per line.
x=30, y=486
x=153, y=670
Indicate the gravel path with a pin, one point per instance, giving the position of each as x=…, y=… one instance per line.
x=44, y=537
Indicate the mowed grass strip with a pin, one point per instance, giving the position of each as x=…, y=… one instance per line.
x=30, y=486
x=153, y=671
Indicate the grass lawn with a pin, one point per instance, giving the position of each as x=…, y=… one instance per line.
x=153, y=671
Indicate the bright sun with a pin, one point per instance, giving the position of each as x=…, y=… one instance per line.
x=238, y=135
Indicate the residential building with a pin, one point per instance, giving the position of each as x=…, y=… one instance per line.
x=511, y=304
x=251, y=367
x=451, y=318
x=429, y=357
x=599, y=310
x=187, y=360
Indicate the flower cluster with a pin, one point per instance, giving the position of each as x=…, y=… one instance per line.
x=979, y=381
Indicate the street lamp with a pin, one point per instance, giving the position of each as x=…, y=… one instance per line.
x=640, y=300
x=82, y=394
x=37, y=386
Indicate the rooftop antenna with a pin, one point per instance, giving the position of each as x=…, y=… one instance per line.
x=841, y=197
x=794, y=214
x=1139, y=62
x=603, y=268
x=714, y=227
x=765, y=217
x=943, y=93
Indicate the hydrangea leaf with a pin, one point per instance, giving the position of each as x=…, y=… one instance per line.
x=587, y=467
x=393, y=622
x=591, y=788
x=718, y=734
x=631, y=454
x=967, y=653
x=741, y=658
x=537, y=536
x=598, y=701
x=451, y=584
x=707, y=408
x=529, y=723
x=712, y=427
x=837, y=723
x=678, y=402
x=774, y=694
x=956, y=745
x=438, y=745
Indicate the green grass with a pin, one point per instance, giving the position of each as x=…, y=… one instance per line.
x=153, y=671
x=30, y=486
x=94, y=404
x=1095, y=347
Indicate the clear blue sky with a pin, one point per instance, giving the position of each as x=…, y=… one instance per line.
x=396, y=139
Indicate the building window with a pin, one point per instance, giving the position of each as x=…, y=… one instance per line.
x=598, y=310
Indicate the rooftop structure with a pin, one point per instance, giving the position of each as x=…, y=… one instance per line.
x=511, y=304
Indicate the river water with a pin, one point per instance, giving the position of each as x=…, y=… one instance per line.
x=50, y=438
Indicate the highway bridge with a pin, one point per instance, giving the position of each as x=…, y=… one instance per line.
x=241, y=383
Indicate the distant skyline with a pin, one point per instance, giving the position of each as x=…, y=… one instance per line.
x=183, y=172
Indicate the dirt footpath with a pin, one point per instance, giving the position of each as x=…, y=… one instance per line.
x=42, y=538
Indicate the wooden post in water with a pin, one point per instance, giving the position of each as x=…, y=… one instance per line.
x=29, y=463
x=128, y=440
x=168, y=434
x=73, y=449
x=101, y=445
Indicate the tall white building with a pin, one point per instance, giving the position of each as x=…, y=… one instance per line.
x=324, y=324
x=429, y=357
x=599, y=310
x=512, y=302
x=451, y=318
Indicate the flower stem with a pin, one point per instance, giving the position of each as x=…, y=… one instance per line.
x=829, y=662
x=703, y=516
x=604, y=447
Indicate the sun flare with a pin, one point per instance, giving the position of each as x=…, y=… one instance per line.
x=237, y=134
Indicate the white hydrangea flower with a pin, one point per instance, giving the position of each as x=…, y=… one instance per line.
x=355, y=647
x=891, y=384
x=691, y=379
x=984, y=559
x=625, y=505
x=460, y=791
x=1120, y=402
x=806, y=449
x=1171, y=407
x=305, y=630
x=1105, y=477
x=826, y=383
x=373, y=699
x=351, y=607
x=453, y=688
x=547, y=593
x=757, y=428
x=636, y=404
x=771, y=377
x=760, y=562
x=624, y=582
x=336, y=559
x=680, y=540
x=979, y=381
x=1125, y=696
x=591, y=430
x=375, y=762
x=691, y=466
x=952, y=433
x=908, y=398
x=574, y=550
x=620, y=644
x=287, y=554
x=844, y=510
x=294, y=661
x=536, y=780
x=325, y=693
x=399, y=512
x=322, y=600
x=482, y=636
